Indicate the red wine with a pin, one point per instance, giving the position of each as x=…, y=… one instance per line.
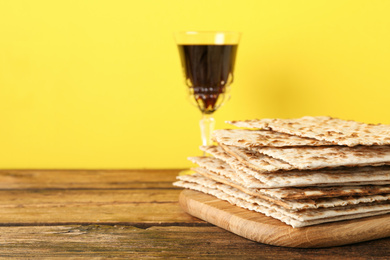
x=208, y=70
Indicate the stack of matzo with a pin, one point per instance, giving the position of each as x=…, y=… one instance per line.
x=303, y=171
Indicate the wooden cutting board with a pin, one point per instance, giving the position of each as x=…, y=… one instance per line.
x=258, y=227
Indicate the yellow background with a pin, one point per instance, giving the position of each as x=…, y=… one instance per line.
x=98, y=84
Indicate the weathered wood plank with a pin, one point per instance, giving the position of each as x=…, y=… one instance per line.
x=141, y=217
x=162, y=242
x=48, y=207
x=86, y=179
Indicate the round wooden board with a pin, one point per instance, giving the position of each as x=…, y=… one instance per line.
x=258, y=227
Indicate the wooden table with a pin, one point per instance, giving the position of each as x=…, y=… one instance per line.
x=125, y=214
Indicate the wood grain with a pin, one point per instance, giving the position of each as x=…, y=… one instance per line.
x=106, y=241
x=260, y=228
x=50, y=207
x=125, y=214
x=86, y=179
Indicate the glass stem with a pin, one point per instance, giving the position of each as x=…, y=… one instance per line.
x=207, y=124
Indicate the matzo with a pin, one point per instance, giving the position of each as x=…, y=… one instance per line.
x=335, y=177
x=252, y=138
x=294, y=220
x=294, y=205
x=321, y=192
x=262, y=163
x=305, y=158
x=220, y=167
x=337, y=131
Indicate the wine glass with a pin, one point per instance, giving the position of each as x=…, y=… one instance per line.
x=207, y=59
